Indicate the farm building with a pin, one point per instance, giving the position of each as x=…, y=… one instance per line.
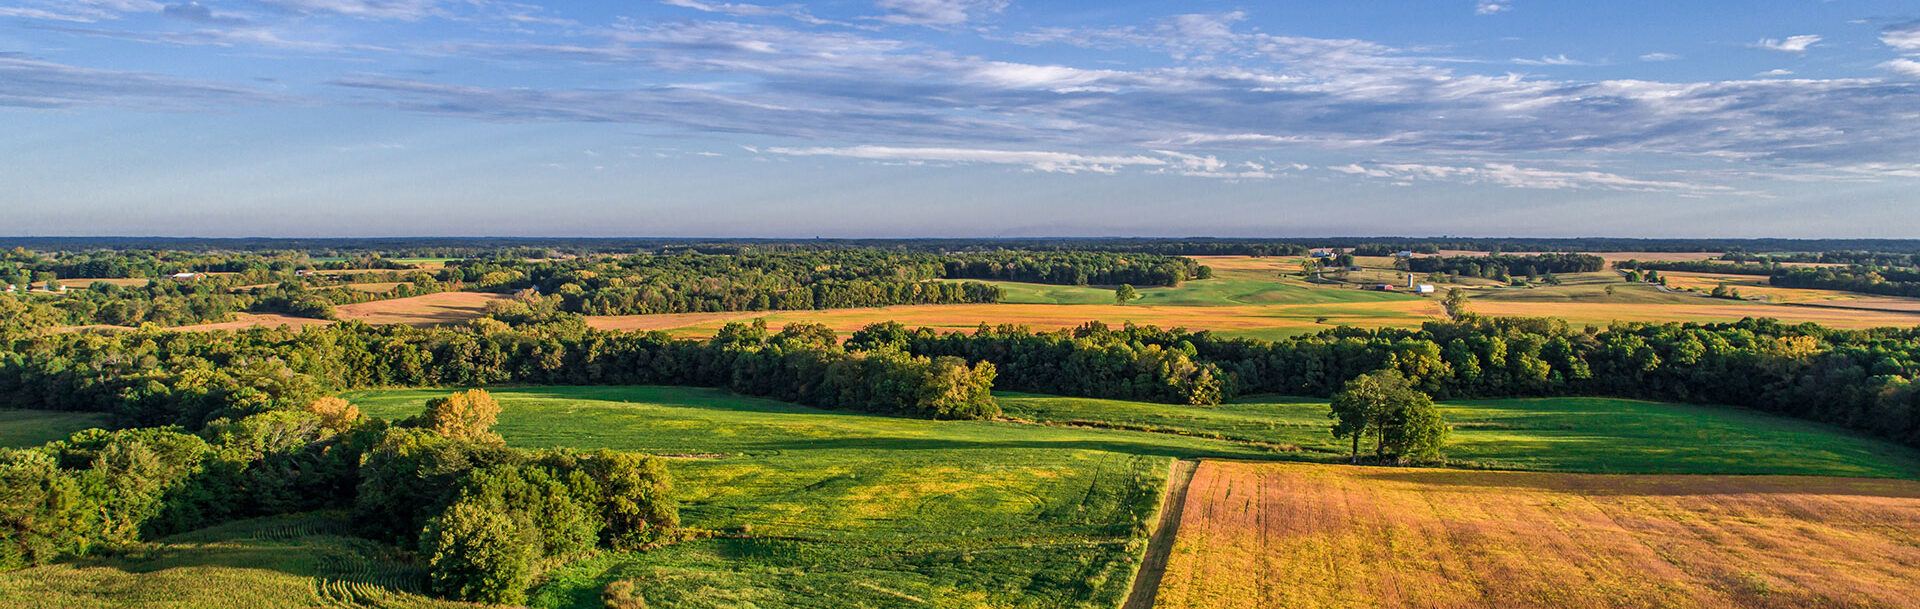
x=1403, y=254
x=1382, y=287
x=1322, y=253
x=1425, y=288
x=183, y=277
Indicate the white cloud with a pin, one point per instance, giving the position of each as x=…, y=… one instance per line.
x=1904, y=67
x=1558, y=60
x=937, y=12
x=1659, y=57
x=1776, y=72
x=1792, y=44
x=1489, y=7
x=1903, y=36
x=1057, y=162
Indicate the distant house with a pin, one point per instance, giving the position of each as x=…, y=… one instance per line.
x=1425, y=288
x=1322, y=253
x=303, y=273
x=1382, y=287
x=183, y=277
x=1403, y=254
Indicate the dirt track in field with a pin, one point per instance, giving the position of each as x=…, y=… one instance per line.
x=1153, y=565
x=1306, y=536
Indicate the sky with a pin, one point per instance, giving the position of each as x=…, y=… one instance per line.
x=960, y=118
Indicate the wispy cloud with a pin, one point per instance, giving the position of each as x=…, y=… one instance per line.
x=742, y=9
x=1039, y=160
x=29, y=83
x=1510, y=175
x=1489, y=7
x=1790, y=44
x=200, y=13
x=405, y=10
x=937, y=12
x=1557, y=60
x=1659, y=57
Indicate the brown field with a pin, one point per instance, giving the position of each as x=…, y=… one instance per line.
x=1399, y=313
x=242, y=321
x=1305, y=536
x=430, y=309
x=1602, y=313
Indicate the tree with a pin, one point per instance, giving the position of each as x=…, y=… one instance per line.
x=1403, y=422
x=467, y=415
x=1125, y=294
x=1456, y=303
x=336, y=414
x=477, y=554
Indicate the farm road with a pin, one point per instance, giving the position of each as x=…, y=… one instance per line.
x=1146, y=583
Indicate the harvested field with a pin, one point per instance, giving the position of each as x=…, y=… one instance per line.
x=1305, y=536
x=242, y=321
x=426, y=310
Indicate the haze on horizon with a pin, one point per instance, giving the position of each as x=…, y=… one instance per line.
x=959, y=118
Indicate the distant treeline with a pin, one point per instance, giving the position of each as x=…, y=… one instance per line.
x=1862, y=258
x=1888, y=281
x=1501, y=266
x=468, y=247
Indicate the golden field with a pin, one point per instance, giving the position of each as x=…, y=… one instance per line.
x=1306, y=536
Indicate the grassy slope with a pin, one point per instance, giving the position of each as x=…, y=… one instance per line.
x=852, y=509
x=1550, y=434
x=289, y=561
x=23, y=428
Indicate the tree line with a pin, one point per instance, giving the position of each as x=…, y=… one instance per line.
x=1502, y=266
x=1860, y=379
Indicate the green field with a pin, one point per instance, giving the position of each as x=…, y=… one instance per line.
x=838, y=509
x=288, y=561
x=1595, y=435
x=24, y=428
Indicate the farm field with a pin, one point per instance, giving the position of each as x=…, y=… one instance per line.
x=829, y=509
x=23, y=428
x=1593, y=435
x=268, y=563
x=1326, y=536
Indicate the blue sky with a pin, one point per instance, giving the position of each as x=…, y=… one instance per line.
x=875, y=118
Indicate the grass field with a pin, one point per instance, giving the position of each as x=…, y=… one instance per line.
x=24, y=428
x=269, y=563
x=845, y=510
x=1328, y=536
x=1594, y=435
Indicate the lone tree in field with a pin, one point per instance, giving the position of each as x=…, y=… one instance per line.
x=1403, y=422
x=1456, y=303
x=467, y=415
x=1125, y=294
